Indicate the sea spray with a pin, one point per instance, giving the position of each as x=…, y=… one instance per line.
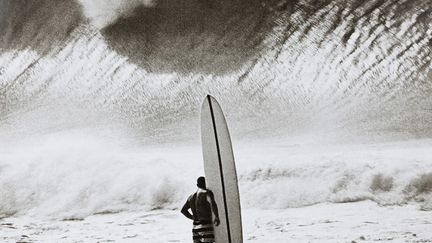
x=350, y=68
x=73, y=176
x=386, y=173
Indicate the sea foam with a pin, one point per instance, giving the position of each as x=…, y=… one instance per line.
x=73, y=175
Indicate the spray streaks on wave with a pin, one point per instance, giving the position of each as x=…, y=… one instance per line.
x=353, y=65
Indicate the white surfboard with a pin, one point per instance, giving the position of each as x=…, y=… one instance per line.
x=220, y=171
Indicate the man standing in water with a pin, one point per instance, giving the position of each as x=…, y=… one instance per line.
x=202, y=205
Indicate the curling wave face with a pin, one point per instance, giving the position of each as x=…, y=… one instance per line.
x=134, y=73
x=352, y=66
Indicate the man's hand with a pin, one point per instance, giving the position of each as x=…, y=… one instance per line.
x=217, y=221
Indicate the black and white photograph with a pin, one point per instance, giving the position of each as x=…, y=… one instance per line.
x=218, y=121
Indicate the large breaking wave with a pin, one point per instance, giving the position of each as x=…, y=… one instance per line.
x=78, y=79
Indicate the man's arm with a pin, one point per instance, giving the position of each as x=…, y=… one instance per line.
x=214, y=208
x=185, y=211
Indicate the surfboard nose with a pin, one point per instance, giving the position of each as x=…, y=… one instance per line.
x=209, y=97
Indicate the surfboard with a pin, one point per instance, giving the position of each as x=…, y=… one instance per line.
x=220, y=171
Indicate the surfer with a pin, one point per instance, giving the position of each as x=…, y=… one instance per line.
x=202, y=205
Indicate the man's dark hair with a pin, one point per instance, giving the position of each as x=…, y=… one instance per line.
x=201, y=182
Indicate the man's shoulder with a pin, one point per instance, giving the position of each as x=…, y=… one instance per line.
x=205, y=191
x=209, y=193
x=191, y=196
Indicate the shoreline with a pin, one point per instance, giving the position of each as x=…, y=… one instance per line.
x=328, y=222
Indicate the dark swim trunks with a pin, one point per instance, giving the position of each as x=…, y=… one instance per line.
x=203, y=231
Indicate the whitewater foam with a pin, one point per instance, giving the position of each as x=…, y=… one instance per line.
x=76, y=174
x=389, y=174
x=73, y=175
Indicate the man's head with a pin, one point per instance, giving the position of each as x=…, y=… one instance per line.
x=201, y=182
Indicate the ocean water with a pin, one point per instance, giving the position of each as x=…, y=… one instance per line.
x=327, y=101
